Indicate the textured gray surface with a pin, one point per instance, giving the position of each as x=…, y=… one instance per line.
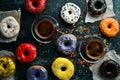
x=47, y=53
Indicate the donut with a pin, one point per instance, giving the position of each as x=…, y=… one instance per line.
x=8, y=54
x=96, y=7
x=7, y=66
x=109, y=27
x=37, y=72
x=35, y=6
x=70, y=13
x=67, y=44
x=109, y=69
x=9, y=27
x=63, y=68
x=25, y=52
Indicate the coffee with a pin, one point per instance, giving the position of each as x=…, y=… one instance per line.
x=44, y=29
x=95, y=49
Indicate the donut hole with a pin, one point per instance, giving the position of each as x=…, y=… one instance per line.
x=70, y=12
x=67, y=43
x=8, y=26
x=98, y=4
x=4, y=66
x=37, y=74
x=34, y=4
x=110, y=68
x=26, y=53
x=109, y=26
x=63, y=68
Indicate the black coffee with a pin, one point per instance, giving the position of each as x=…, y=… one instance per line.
x=44, y=28
x=94, y=49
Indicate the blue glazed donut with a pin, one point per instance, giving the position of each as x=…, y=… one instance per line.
x=37, y=73
x=67, y=44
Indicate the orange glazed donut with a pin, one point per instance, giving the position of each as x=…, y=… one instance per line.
x=109, y=27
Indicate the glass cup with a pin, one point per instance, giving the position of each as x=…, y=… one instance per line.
x=92, y=49
x=44, y=28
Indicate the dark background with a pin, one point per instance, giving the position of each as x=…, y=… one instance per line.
x=46, y=53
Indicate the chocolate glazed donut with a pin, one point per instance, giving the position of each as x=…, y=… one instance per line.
x=110, y=69
x=96, y=7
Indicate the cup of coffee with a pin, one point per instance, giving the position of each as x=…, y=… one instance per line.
x=43, y=28
x=94, y=49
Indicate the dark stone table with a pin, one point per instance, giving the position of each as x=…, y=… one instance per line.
x=46, y=53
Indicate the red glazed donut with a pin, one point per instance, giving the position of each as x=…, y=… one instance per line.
x=25, y=52
x=35, y=6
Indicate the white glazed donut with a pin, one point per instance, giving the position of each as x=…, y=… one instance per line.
x=70, y=13
x=9, y=27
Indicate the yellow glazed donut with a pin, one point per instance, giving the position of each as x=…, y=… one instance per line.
x=7, y=66
x=63, y=68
